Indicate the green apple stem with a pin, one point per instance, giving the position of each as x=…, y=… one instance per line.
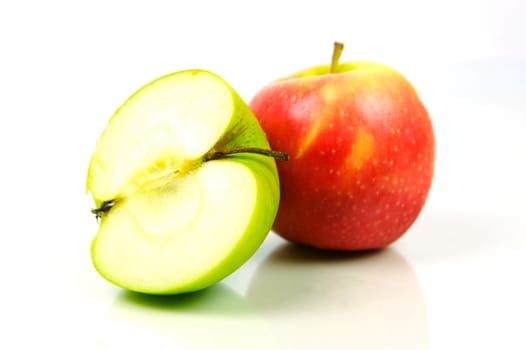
x=225, y=153
x=336, y=53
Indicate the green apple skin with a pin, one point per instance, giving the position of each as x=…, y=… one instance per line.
x=171, y=222
x=362, y=150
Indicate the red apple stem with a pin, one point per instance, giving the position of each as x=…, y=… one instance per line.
x=225, y=153
x=336, y=54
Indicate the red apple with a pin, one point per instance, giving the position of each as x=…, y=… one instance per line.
x=362, y=153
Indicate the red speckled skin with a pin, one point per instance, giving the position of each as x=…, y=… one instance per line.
x=361, y=147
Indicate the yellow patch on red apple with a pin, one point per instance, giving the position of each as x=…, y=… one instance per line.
x=362, y=149
x=312, y=133
x=330, y=93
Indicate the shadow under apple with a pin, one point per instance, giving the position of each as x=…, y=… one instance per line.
x=214, y=318
x=317, y=299
x=216, y=300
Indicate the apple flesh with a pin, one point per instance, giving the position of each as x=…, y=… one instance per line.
x=361, y=147
x=182, y=194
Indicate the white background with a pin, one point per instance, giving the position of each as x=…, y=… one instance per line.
x=455, y=281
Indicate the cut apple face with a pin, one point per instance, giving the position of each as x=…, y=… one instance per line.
x=185, y=186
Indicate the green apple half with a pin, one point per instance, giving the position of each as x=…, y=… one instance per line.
x=184, y=183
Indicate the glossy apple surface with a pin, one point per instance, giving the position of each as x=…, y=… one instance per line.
x=361, y=147
x=177, y=211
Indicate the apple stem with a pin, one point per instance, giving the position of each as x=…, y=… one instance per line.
x=336, y=53
x=225, y=153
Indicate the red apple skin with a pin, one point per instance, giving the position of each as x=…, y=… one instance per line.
x=362, y=153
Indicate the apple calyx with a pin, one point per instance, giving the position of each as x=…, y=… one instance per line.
x=106, y=206
x=336, y=54
x=103, y=209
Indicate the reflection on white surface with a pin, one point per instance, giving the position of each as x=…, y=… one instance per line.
x=360, y=301
x=296, y=298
